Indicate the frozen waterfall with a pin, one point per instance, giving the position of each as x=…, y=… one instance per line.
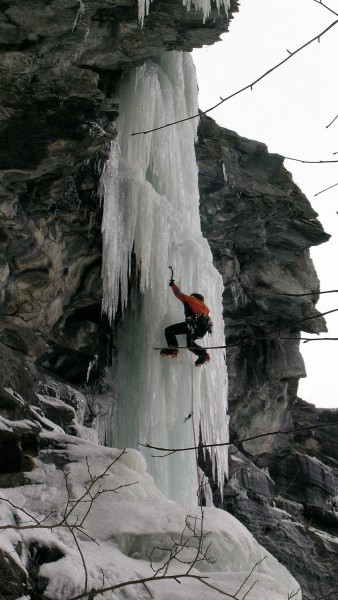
x=151, y=209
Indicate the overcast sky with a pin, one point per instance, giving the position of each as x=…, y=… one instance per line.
x=289, y=111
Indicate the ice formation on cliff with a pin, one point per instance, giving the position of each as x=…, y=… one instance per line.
x=203, y=5
x=151, y=208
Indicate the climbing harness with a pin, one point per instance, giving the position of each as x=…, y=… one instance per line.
x=199, y=325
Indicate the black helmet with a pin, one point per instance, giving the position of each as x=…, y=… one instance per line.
x=198, y=296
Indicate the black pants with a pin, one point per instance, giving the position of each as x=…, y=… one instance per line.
x=182, y=329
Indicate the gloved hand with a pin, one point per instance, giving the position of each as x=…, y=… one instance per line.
x=171, y=282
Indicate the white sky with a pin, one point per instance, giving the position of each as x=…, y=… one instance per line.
x=288, y=111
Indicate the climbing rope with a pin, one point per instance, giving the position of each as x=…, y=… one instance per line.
x=199, y=490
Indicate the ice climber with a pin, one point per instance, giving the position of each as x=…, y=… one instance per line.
x=197, y=323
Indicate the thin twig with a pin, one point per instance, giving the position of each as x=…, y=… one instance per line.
x=249, y=575
x=148, y=590
x=265, y=335
x=253, y=339
x=270, y=291
x=37, y=522
x=250, y=588
x=325, y=6
x=200, y=578
x=326, y=189
x=92, y=483
x=333, y=120
x=77, y=543
x=241, y=441
x=311, y=162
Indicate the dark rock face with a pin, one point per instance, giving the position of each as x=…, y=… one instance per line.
x=59, y=64
x=260, y=227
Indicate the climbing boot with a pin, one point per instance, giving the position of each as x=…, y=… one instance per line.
x=173, y=352
x=205, y=358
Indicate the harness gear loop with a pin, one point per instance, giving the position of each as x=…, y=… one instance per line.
x=199, y=324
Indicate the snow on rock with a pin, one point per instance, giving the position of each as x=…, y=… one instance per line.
x=130, y=521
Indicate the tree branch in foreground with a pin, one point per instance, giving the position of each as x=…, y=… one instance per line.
x=191, y=548
x=326, y=189
x=331, y=122
x=266, y=335
x=170, y=451
x=74, y=525
x=250, y=85
x=270, y=291
x=311, y=162
x=176, y=577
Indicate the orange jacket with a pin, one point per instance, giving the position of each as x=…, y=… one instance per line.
x=196, y=306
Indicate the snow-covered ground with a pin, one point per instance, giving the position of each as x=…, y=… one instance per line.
x=128, y=532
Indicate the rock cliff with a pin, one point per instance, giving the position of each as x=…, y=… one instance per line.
x=60, y=63
x=260, y=228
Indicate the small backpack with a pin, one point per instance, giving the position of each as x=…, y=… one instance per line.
x=199, y=325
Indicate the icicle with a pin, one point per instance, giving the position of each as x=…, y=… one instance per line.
x=92, y=363
x=151, y=208
x=225, y=175
x=203, y=5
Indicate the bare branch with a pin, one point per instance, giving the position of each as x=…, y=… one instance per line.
x=270, y=291
x=37, y=522
x=192, y=539
x=77, y=543
x=148, y=590
x=266, y=335
x=326, y=189
x=305, y=340
x=333, y=120
x=249, y=590
x=200, y=578
x=86, y=497
x=289, y=325
x=310, y=162
x=241, y=441
x=247, y=87
x=249, y=575
x=90, y=485
x=329, y=9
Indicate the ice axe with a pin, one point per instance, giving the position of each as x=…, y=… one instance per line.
x=172, y=274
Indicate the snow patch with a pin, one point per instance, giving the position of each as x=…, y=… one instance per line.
x=128, y=520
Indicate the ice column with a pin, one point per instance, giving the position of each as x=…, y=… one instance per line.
x=151, y=208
